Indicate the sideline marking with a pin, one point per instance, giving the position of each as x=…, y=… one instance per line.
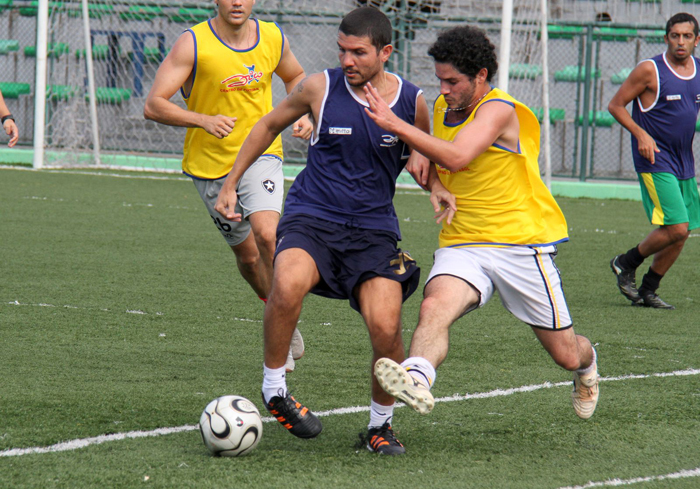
x=96, y=440
x=626, y=482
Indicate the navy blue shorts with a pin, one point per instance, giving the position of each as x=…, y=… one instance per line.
x=347, y=256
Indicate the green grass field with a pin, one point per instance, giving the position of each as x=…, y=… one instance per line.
x=121, y=311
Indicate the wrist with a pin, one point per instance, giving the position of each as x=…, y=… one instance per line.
x=7, y=117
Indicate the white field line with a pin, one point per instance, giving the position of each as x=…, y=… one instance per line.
x=84, y=442
x=628, y=482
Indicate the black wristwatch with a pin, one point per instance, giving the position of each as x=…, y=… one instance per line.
x=7, y=117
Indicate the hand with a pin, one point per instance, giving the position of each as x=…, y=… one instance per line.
x=219, y=125
x=379, y=111
x=419, y=168
x=444, y=204
x=303, y=128
x=12, y=131
x=226, y=202
x=647, y=147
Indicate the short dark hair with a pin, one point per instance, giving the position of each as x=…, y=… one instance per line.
x=679, y=19
x=468, y=49
x=368, y=22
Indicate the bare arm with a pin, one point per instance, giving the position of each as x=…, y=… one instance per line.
x=291, y=73
x=641, y=80
x=9, y=125
x=302, y=100
x=173, y=73
x=491, y=122
x=418, y=165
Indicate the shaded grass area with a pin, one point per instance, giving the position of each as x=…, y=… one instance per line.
x=121, y=309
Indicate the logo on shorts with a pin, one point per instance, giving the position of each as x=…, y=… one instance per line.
x=269, y=186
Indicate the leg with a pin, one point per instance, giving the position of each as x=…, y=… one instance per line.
x=295, y=273
x=666, y=241
x=249, y=264
x=447, y=298
x=264, y=226
x=380, y=302
x=575, y=353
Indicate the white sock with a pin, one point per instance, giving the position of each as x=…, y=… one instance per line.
x=421, y=370
x=378, y=414
x=274, y=383
x=591, y=367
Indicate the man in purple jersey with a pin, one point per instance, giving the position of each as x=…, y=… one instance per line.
x=338, y=235
x=666, y=94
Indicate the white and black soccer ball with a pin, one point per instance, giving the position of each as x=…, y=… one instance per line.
x=230, y=426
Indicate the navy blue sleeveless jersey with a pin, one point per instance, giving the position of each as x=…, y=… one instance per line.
x=670, y=121
x=352, y=166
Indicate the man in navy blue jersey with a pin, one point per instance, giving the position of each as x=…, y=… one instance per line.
x=338, y=235
x=666, y=94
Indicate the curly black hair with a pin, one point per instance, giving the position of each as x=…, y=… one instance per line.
x=467, y=49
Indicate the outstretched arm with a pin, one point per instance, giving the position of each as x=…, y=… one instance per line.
x=490, y=123
x=641, y=79
x=299, y=102
x=173, y=73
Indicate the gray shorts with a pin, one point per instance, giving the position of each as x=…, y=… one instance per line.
x=260, y=189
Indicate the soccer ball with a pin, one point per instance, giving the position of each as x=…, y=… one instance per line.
x=230, y=426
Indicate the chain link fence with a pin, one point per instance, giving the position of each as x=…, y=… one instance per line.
x=130, y=39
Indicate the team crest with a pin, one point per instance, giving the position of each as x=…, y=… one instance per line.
x=269, y=186
x=242, y=79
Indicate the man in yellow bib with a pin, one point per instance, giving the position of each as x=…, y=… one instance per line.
x=500, y=228
x=223, y=68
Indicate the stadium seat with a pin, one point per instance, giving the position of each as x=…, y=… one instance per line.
x=5, y=5
x=191, y=15
x=54, y=50
x=600, y=118
x=99, y=52
x=150, y=55
x=562, y=32
x=32, y=9
x=523, y=70
x=7, y=45
x=655, y=36
x=14, y=90
x=621, y=76
x=554, y=114
x=571, y=74
x=614, y=34
x=110, y=95
x=95, y=11
x=61, y=92
x=141, y=12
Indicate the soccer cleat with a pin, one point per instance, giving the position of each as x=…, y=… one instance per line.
x=292, y=415
x=290, y=363
x=381, y=440
x=297, y=345
x=650, y=299
x=397, y=382
x=625, y=280
x=585, y=394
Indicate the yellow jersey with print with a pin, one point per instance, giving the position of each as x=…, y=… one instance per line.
x=231, y=82
x=501, y=198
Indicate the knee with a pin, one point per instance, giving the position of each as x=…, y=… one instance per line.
x=567, y=360
x=248, y=261
x=678, y=233
x=265, y=240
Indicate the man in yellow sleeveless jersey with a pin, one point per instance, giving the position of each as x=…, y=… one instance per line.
x=500, y=228
x=223, y=68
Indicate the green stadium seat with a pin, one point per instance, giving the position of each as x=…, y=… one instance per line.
x=7, y=45
x=54, y=50
x=697, y=126
x=570, y=74
x=656, y=37
x=620, y=76
x=141, y=12
x=5, y=5
x=562, y=31
x=524, y=70
x=614, y=34
x=32, y=9
x=14, y=90
x=191, y=15
x=95, y=11
x=554, y=114
x=61, y=92
x=99, y=52
x=602, y=119
x=110, y=95
x=150, y=55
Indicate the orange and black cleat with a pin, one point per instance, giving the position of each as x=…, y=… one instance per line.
x=382, y=440
x=294, y=416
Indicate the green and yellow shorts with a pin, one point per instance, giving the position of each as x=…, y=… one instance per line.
x=668, y=200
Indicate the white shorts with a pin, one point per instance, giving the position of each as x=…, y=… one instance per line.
x=261, y=189
x=526, y=278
